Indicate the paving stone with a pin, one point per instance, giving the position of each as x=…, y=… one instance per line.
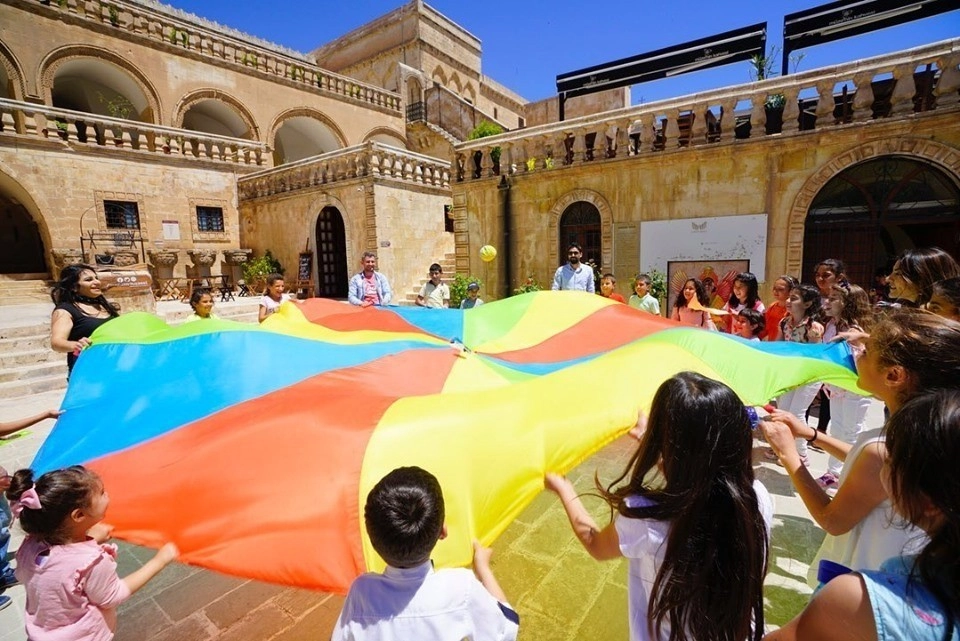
x=193, y=628
x=262, y=623
x=170, y=576
x=518, y=575
x=608, y=618
x=536, y=626
x=194, y=593
x=296, y=602
x=238, y=603
x=141, y=620
x=316, y=625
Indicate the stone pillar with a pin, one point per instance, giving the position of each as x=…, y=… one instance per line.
x=124, y=257
x=162, y=262
x=63, y=257
x=203, y=260
x=235, y=259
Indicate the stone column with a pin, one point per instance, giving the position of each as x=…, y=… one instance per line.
x=124, y=257
x=162, y=262
x=203, y=260
x=235, y=259
x=63, y=257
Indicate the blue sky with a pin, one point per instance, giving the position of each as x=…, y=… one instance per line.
x=526, y=45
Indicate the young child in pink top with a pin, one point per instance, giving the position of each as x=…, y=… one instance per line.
x=73, y=589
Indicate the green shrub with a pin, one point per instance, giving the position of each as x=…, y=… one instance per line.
x=458, y=288
x=259, y=268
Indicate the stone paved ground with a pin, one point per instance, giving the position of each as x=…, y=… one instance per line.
x=561, y=593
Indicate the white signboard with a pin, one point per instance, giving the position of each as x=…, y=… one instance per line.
x=171, y=230
x=715, y=238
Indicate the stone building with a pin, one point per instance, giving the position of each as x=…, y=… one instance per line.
x=126, y=127
x=857, y=161
x=133, y=132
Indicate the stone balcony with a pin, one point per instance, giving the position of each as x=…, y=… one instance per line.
x=898, y=85
x=78, y=130
x=175, y=31
x=368, y=160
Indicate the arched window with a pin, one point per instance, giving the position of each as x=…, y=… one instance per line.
x=580, y=223
x=872, y=211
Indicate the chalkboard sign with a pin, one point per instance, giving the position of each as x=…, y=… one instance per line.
x=305, y=266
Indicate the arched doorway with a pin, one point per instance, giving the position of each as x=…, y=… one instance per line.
x=580, y=223
x=870, y=212
x=22, y=230
x=331, y=254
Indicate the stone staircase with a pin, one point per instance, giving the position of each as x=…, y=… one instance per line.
x=29, y=366
x=449, y=265
x=17, y=289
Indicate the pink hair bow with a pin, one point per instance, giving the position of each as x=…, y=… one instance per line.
x=29, y=499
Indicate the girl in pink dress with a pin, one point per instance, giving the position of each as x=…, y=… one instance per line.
x=73, y=589
x=690, y=304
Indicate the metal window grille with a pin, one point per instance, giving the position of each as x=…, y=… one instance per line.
x=121, y=214
x=210, y=219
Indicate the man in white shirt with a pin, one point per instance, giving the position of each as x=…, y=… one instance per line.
x=574, y=275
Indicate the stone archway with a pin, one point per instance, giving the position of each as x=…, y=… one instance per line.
x=22, y=232
x=937, y=154
x=231, y=114
x=302, y=133
x=606, y=224
x=126, y=74
x=11, y=75
x=386, y=136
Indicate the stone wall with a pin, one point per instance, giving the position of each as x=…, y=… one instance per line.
x=172, y=78
x=407, y=231
x=774, y=175
x=59, y=188
x=547, y=110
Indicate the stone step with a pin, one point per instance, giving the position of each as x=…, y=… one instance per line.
x=35, y=371
x=18, y=292
x=25, y=343
x=30, y=386
x=18, y=358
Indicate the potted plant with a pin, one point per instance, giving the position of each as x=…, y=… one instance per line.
x=484, y=129
x=531, y=284
x=118, y=107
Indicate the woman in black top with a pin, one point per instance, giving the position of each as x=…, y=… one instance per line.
x=80, y=309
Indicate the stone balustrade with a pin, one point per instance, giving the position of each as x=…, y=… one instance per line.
x=891, y=86
x=79, y=129
x=368, y=160
x=190, y=34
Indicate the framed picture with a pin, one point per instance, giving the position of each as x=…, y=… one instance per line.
x=717, y=277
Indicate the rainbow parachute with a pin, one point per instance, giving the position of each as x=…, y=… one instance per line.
x=254, y=447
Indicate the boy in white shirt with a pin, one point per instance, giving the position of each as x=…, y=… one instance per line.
x=434, y=293
x=404, y=518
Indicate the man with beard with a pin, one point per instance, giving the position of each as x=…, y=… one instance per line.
x=574, y=274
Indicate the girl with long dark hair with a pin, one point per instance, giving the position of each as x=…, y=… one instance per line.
x=80, y=309
x=690, y=517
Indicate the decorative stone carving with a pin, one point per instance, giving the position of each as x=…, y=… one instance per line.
x=124, y=257
x=202, y=257
x=203, y=260
x=162, y=262
x=163, y=257
x=236, y=257
x=64, y=257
